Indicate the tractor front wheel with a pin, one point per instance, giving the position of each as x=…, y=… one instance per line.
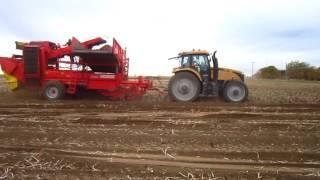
x=184, y=87
x=235, y=91
x=53, y=90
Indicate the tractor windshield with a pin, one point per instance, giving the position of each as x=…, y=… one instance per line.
x=185, y=61
x=200, y=62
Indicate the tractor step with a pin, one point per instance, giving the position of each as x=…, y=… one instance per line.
x=212, y=89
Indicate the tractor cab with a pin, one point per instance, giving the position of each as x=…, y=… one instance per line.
x=200, y=61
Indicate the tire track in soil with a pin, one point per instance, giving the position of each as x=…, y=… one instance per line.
x=192, y=129
x=176, y=161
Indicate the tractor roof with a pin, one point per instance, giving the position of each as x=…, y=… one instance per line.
x=194, y=52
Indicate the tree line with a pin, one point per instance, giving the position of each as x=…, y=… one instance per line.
x=294, y=70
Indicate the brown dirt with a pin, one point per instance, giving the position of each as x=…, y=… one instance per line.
x=153, y=138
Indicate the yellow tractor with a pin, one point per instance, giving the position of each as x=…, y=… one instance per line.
x=196, y=77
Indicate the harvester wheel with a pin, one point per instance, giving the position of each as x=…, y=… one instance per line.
x=184, y=87
x=235, y=91
x=54, y=90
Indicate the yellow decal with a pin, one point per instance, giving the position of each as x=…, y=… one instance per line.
x=11, y=81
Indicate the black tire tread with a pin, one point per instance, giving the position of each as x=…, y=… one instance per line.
x=234, y=82
x=59, y=85
x=179, y=76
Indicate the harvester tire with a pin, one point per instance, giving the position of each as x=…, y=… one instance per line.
x=235, y=91
x=184, y=87
x=54, y=90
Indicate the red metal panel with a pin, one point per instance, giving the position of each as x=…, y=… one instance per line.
x=115, y=85
x=13, y=67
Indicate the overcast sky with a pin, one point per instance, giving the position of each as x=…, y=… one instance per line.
x=267, y=32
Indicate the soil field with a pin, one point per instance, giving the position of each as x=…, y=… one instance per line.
x=153, y=138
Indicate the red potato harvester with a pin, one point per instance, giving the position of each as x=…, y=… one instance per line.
x=55, y=71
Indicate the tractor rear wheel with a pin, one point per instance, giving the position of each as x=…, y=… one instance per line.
x=53, y=90
x=235, y=91
x=184, y=87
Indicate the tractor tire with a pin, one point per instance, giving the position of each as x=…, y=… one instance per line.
x=184, y=87
x=54, y=90
x=235, y=91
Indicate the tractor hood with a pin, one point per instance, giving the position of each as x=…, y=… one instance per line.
x=231, y=70
x=239, y=73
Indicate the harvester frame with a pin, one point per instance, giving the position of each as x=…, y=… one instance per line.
x=55, y=71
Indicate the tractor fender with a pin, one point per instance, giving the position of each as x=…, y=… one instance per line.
x=190, y=70
x=224, y=83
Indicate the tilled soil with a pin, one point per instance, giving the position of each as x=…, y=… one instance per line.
x=99, y=139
